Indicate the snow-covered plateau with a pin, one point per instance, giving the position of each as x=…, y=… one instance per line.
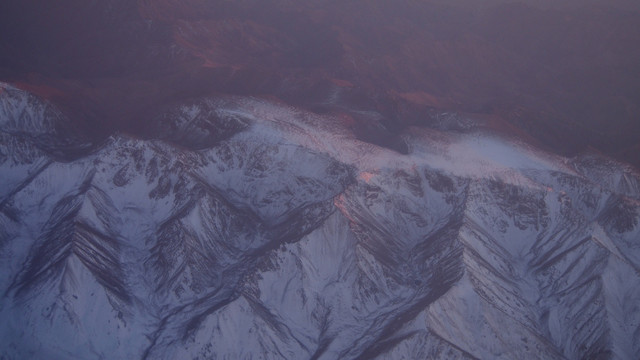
x=242, y=228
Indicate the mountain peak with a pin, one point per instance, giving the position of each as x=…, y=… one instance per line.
x=247, y=226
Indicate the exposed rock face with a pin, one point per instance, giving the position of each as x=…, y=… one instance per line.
x=244, y=228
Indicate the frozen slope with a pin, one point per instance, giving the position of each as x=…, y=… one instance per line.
x=246, y=229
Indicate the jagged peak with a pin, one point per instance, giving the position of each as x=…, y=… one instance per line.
x=201, y=123
x=38, y=122
x=78, y=227
x=422, y=235
x=569, y=253
x=608, y=173
x=24, y=113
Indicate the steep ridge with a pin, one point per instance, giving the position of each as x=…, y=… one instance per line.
x=24, y=115
x=242, y=227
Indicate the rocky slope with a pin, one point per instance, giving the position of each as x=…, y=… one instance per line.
x=244, y=228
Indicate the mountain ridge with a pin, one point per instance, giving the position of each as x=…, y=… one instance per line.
x=285, y=235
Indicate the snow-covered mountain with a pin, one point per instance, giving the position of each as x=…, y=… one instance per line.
x=243, y=228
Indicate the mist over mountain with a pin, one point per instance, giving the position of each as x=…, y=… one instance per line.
x=320, y=179
x=566, y=75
